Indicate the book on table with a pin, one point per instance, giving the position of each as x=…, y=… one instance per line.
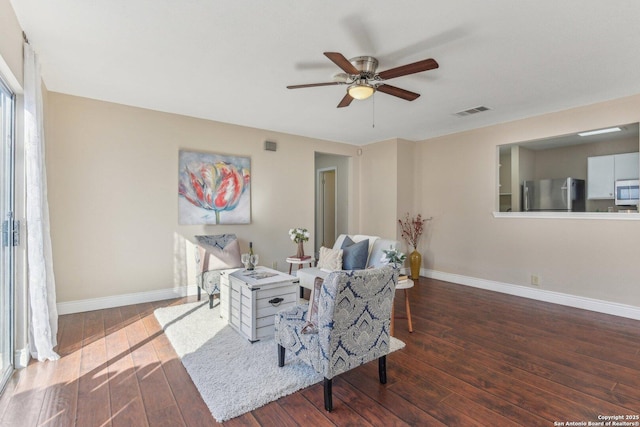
x=259, y=275
x=301, y=258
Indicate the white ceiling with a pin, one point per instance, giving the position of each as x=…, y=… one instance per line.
x=231, y=61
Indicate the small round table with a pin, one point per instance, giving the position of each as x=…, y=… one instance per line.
x=406, y=285
x=300, y=262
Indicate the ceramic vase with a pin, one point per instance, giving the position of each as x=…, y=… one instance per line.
x=300, y=253
x=415, y=260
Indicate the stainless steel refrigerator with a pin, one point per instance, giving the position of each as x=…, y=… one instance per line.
x=563, y=194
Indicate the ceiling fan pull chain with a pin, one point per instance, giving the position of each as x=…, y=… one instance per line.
x=373, y=113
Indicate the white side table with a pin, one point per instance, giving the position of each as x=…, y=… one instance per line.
x=405, y=285
x=300, y=262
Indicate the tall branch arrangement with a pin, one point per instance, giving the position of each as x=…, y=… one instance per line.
x=412, y=228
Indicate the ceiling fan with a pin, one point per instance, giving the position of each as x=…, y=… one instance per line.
x=363, y=79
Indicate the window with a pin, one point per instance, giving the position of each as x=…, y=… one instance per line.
x=7, y=108
x=586, y=158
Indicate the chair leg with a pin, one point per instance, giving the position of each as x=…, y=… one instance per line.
x=281, y=351
x=382, y=369
x=393, y=316
x=199, y=291
x=328, y=400
x=211, y=301
x=406, y=303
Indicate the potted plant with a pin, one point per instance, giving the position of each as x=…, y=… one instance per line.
x=394, y=256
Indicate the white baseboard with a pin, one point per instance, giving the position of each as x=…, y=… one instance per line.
x=126, y=299
x=21, y=358
x=607, y=307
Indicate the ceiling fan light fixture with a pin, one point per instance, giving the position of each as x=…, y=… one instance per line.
x=363, y=80
x=360, y=90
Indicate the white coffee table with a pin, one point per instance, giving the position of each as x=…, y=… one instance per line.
x=255, y=297
x=404, y=285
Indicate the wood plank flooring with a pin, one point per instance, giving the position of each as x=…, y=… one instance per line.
x=475, y=358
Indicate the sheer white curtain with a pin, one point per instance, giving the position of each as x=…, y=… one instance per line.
x=43, y=314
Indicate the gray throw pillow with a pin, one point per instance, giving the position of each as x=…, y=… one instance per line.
x=354, y=255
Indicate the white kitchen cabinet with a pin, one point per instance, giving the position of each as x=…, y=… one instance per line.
x=626, y=166
x=600, y=177
x=603, y=171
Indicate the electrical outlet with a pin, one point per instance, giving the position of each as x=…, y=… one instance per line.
x=274, y=265
x=535, y=280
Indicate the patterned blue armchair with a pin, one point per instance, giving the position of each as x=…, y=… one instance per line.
x=352, y=326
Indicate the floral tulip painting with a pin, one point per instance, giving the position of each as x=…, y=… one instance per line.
x=214, y=189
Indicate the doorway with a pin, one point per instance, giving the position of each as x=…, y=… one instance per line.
x=326, y=207
x=7, y=114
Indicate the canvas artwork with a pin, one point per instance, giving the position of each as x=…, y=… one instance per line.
x=214, y=189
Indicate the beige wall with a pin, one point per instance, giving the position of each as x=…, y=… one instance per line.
x=112, y=176
x=378, y=195
x=389, y=187
x=590, y=258
x=405, y=187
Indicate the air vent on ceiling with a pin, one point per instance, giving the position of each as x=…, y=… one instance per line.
x=470, y=111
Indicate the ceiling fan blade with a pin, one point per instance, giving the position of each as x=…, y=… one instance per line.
x=416, y=67
x=345, y=101
x=314, y=85
x=342, y=62
x=396, y=91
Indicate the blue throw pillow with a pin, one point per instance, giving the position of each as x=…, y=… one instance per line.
x=354, y=255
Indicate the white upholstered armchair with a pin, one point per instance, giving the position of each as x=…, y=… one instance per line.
x=351, y=328
x=216, y=256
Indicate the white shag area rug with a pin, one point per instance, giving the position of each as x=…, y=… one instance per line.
x=232, y=375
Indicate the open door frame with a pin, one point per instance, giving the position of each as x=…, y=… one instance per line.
x=320, y=227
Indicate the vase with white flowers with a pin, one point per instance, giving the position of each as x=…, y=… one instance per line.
x=299, y=236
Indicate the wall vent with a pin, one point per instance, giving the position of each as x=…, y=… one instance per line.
x=470, y=111
x=270, y=146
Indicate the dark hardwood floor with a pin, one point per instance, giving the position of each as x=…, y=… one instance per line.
x=475, y=358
